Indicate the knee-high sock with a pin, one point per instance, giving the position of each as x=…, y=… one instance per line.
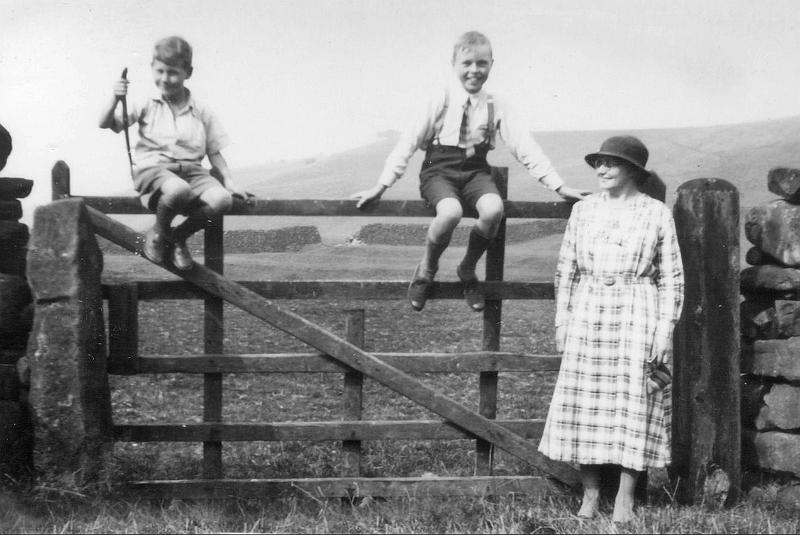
x=477, y=245
x=433, y=251
x=164, y=216
x=196, y=221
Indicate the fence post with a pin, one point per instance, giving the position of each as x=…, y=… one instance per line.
x=69, y=396
x=213, y=329
x=353, y=396
x=706, y=402
x=59, y=181
x=492, y=321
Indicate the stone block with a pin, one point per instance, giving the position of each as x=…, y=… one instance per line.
x=10, y=210
x=774, y=228
x=774, y=358
x=9, y=382
x=15, y=188
x=771, y=406
x=62, y=248
x=768, y=319
x=789, y=497
x=69, y=393
x=16, y=439
x=770, y=277
x=784, y=182
x=14, y=297
x=756, y=257
x=774, y=451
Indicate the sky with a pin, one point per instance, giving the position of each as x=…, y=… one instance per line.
x=297, y=78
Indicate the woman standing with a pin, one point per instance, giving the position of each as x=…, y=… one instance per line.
x=619, y=293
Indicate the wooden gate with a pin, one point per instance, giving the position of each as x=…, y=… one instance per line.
x=336, y=355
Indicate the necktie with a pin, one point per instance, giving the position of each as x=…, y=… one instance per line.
x=463, y=135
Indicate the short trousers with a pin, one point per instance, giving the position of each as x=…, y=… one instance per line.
x=447, y=174
x=148, y=181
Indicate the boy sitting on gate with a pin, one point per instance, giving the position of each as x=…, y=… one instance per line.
x=457, y=130
x=175, y=133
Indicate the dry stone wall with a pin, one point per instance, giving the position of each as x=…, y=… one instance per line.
x=770, y=318
x=16, y=315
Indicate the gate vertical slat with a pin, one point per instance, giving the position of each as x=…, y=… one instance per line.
x=123, y=329
x=492, y=317
x=353, y=396
x=213, y=341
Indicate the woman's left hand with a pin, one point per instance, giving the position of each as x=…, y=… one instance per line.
x=662, y=350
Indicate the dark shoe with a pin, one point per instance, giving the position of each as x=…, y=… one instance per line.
x=420, y=289
x=155, y=245
x=181, y=258
x=472, y=294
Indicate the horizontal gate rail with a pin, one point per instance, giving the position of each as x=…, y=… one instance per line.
x=309, y=207
x=355, y=290
x=470, y=362
x=312, y=431
x=398, y=487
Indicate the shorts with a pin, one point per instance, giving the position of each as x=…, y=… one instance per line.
x=447, y=174
x=148, y=181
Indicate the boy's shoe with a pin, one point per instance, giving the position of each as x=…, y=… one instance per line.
x=181, y=258
x=420, y=289
x=472, y=294
x=155, y=244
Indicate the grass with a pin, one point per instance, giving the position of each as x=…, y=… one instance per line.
x=447, y=326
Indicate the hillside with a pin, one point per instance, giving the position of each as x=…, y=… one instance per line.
x=739, y=153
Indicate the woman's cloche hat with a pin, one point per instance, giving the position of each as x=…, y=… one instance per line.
x=627, y=148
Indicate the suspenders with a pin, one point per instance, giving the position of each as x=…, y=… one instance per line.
x=439, y=122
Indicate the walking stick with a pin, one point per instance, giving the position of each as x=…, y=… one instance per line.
x=125, y=123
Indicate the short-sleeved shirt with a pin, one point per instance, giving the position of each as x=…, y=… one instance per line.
x=186, y=136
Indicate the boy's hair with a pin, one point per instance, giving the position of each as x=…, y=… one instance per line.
x=5, y=146
x=174, y=51
x=468, y=41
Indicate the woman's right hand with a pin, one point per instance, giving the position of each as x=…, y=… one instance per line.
x=120, y=88
x=561, y=338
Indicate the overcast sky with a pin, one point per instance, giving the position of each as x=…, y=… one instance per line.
x=299, y=77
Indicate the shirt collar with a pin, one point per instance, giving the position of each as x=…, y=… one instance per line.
x=189, y=106
x=460, y=95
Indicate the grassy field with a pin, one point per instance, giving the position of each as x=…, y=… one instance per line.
x=174, y=327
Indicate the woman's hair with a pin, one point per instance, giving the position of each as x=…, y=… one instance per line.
x=649, y=183
x=174, y=51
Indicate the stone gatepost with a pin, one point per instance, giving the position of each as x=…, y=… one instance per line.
x=16, y=315
x=69, y=393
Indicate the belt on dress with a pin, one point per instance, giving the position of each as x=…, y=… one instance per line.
x=611, y=280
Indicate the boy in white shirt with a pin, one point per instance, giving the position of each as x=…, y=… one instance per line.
x=457, y=130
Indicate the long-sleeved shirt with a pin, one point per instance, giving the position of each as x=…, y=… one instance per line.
x=511, y=131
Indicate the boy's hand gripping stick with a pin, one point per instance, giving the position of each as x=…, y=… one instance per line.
x=125, y=123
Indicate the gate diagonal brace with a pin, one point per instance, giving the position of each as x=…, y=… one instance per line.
x=345, y=352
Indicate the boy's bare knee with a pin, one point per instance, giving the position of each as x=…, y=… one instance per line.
x=175, y=193
x=216, y=201
x=449, y=211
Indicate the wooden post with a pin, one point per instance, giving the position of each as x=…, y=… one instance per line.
x=213, y=330
x=123, y=329
x=706, y=401
x=353, y=396
x=492, y=319
x=59, y=181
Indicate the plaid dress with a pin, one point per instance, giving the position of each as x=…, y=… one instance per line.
x=619, y=284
